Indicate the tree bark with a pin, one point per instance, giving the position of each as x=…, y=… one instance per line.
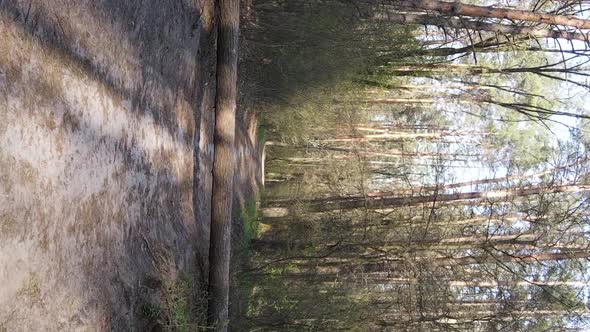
x=504, y=29
x=396, y=135
x=224, y=164
x=538, y=257
x=457, y=8
x=383, y=202
x=390, y=262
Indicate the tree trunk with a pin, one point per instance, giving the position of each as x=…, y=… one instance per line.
x=503, y=29
x=390, y=136
x=459, y=9
x=387, y=262
x=521, y=283
x=224, y=164
x=376, y=202
x=533, y=258
x=444, y=187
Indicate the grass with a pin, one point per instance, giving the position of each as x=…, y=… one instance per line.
x=261, y=132
x=181, y=309
x=251, y=221
x=151, y=311
x=177, y=298
x=31, y=288
x=182, y=305
x=251, y=229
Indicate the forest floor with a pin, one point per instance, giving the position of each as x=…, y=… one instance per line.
x=106, y=119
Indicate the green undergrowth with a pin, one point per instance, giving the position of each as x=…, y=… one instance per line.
x=180, y=304
x=261, y=133
x=177, y=297
x=251, y=222
x=243, y=257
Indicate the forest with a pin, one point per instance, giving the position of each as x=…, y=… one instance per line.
x=294, y=165
x=425, y=166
